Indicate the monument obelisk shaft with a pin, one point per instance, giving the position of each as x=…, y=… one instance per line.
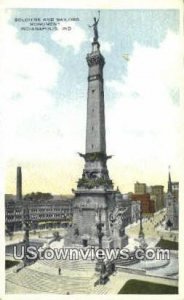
x=95, y=129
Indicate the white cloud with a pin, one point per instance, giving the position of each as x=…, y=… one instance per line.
x=144, y=117
x=33, y=127
x=25, y=68
x=69, y=34
x=27, y=75
x=106, y=46
x=155, y=67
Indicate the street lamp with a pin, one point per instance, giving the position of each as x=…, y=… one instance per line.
x=100, y=265
x=142, y=242
x=26, y=227
x=141, y=233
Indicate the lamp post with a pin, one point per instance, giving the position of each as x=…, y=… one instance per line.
x=100, y=265
x=99, y=226
x=141, y=233
x=142, y=242
x=26, y=227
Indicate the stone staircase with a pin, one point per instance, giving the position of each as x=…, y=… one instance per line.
x=101, y=290
x=77, y=265
x=78, y=268
x=43, y=282
x=77, y=277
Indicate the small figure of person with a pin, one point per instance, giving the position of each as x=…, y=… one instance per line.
x=59, y=271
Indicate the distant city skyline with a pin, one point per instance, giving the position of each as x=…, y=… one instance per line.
x=147, y=187
x=44, y=85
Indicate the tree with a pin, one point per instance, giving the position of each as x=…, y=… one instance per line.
x=38, y=196
x=169, y=223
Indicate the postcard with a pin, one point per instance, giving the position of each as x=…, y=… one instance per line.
x=91, y=99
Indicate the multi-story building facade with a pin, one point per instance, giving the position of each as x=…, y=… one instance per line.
x=135, y=211
x=140, y=188
x=157, y=194
x=147, y=205
x=175, y=190
x=151, y=203
x=42, y=214
x=45, y=210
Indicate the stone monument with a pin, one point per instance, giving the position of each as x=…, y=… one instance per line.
x=95, y=188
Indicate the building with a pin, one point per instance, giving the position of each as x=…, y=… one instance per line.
x=156, y=200
x=172, y=205
x=135, y=211
x=147, y=205
x=157, y=194
x=124, y=204
x=95, y=199
x=45, y=210
x=43, y=214
x=175, y=190
x=140, y=188
x=135, y=207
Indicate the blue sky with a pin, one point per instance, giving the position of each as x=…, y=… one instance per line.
x=44, y=84
x=121, y=28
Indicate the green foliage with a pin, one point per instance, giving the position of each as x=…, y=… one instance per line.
x=169, y=223
x=165, y=244
x=134, y=286
x=38, y=196
x=10, y=264
x=94, y=182
x=95, y=156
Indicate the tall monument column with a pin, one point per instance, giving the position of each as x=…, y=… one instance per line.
x=95, y=130
x=19, y=184
x=94, y=189
x=95, y=156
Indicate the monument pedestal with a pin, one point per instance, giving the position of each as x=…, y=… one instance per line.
x=85, y=217
x=121, y=242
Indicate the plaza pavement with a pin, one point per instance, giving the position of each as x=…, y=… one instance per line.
x=78, y=277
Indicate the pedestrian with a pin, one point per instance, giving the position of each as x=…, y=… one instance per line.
x=59, y=271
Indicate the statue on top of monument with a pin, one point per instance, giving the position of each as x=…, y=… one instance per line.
x=95, y=29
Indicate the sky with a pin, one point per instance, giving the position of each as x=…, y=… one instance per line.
x=43, y=84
